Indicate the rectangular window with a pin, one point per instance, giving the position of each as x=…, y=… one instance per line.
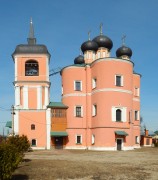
x=136, y=115
x=59, y=113
x=78, y=86
x=78, y=111
x=94, y=83
x=119, y=80
x=94, y=110
x=78, y=139
x=33, y=142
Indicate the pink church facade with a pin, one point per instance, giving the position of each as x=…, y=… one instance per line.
x=103, y=96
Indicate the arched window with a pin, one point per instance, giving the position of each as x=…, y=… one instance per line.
x=31, y=68
x=118, y=115
x=32, y=127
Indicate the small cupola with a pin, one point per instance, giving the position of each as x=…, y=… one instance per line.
x=124, y=52
x=103, y=41
x=89, y=49
x=79, y=60
x=105, y=44
x=89, y=45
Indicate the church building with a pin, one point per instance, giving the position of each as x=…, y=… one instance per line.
x=100, y=108
x=103, y=96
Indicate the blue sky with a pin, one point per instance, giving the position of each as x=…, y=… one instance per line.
x=63, y=25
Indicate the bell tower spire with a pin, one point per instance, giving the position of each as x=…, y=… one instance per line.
x=31, y=39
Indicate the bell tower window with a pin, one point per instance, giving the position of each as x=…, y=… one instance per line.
x=31, y=68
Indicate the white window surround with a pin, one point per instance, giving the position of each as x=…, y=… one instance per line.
x=137, y=91
x=93, y=139
x=94, y=83
x=81, y=110
x=123, y=114
x=75, y=88
x=121, y=79
x=136, y=115
x=94, y=110
x=78, y=135
x=137, y=141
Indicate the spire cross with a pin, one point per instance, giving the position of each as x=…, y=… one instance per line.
x=101, y=28
x=89, y=33
x=31, y=33
x=123, y=39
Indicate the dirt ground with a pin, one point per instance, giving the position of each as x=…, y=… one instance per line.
x=140, y=164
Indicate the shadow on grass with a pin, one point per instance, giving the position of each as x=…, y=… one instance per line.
x=19, y=177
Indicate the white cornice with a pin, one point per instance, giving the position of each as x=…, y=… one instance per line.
x=97, y=91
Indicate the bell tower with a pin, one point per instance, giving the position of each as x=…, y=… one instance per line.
x=32, y=84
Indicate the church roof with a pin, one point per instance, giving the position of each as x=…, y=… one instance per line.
x=31, y=47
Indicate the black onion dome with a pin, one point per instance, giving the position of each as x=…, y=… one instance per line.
x=103, y=41
x=124, y=51
x=89, y=45
x=79, y=60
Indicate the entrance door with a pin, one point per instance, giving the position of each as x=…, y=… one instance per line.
x=58, y=142
x=119, y=144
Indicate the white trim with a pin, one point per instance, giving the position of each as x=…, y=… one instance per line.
x=111, y=59
x=136, y=99
x=25, y=97
x=47, y=69
x=48, y=128
x=94, y=109
x=17, y=95
x=97, y=148
x=37, y=148
x=123, y=114
x=94, y=83
x=16, y=68
x=93, y=138
x=76, y=147
x=16, y=122
x=97, y=91
x=46, y=96
x=39, y=97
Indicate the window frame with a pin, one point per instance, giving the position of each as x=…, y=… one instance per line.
x=33, y=127
x=75, y=85
x=35, y=144
x=81, y=111
x=93, y=139
x=137, y=91
x=137, y=140
x=94, y=110
x=120, y=84
x=136, y=115
x=80, y=139
x=123, y=114
x=94, y=83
